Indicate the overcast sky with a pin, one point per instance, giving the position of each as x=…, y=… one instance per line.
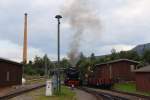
x=124, y=24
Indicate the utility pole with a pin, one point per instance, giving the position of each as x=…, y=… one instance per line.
x=46, y=67
x=58, y=17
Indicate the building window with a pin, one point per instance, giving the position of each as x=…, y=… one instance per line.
x=132, y=67
x=8, y=76
x=110, y=69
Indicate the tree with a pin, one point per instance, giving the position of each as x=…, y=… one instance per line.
x=123, y=55
x=29, y=70
x=146, y=56
x=93, y=58
x=81, y=56
x=47, y=64
x=114, y=54
x=82, y=64
x=81, y=59
x=65, y=63
x=40, y=66
x=83, y=67
x=133, y=55
x=92, y=61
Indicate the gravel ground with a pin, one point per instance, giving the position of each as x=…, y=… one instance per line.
x=81, y=95
x=28, y=96
x=39, y=94
x=22, y=97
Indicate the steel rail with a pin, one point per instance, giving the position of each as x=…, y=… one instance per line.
x=107, y=96
x=21, y=91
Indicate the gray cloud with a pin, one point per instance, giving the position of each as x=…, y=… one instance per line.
x=123, y=22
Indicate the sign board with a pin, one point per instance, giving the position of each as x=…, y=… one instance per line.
x=49, y=88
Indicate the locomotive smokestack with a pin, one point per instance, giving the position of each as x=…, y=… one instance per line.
x=25, y=40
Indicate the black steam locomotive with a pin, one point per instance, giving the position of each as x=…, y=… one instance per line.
x=72, y=77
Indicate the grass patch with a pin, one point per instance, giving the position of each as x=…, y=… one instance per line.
x=126, y=87
x=66, y=94
x=129, y=87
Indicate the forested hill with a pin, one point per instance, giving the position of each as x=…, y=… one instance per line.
x=141, y=48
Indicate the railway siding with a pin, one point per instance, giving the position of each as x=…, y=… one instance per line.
x=20, y=90
x=111, y=95
x=134, y=94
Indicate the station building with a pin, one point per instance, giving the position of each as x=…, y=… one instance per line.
x=10, y=73
x=117, y=70
x=143, y=79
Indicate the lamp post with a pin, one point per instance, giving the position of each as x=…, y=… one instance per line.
x=58, y=17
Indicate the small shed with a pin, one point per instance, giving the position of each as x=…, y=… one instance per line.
x=143, y=79
x=10, y=73
x=121, y=69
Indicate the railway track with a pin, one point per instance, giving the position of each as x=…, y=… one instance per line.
x=112, y=95
x=20, y=91
x=138, y=95
x=103, y=96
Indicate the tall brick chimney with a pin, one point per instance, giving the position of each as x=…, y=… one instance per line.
x=25, y=40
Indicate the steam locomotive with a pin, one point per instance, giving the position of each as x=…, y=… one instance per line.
x=72, y=77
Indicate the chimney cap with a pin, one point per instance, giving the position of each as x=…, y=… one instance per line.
x=25, y=14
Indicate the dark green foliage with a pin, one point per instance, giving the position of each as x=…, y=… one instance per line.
x=92, y=61
x=87, y=65
x=132, y=55
x=43, y=66
x=65, y=63
x=114, y=55
x=83, y=65
x=38, y=66
x=28, y=69
x=146, y=56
